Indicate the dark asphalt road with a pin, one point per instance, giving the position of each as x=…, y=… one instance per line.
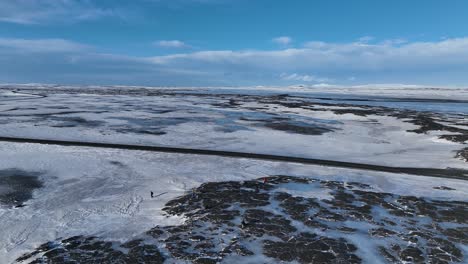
x=433, y=172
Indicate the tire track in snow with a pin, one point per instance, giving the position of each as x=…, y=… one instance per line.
x=18, y=237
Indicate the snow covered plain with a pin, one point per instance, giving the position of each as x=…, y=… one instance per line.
x=227, y=119
x=104, y=193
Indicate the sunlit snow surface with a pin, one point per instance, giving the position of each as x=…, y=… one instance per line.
x=106, y=193
x=228, y=119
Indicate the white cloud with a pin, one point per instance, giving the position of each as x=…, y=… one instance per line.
x=303, y=78
x=421, y=62
x=42, y=11
x=365, y=39
x=171, y=44
x=332, y=57
x=392, y=42
x=65, y=11
x=444, y=62
x=284, y=40
x=42, y=45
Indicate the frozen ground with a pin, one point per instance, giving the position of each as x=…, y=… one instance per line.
x=57, y=201
x=231, y=120
x=105, y=193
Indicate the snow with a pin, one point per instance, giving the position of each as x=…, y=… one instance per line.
x=106, y=192
x=193, y=121
x=380, y=90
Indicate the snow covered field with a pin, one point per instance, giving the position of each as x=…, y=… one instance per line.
x=296, y=125
x=106, y=192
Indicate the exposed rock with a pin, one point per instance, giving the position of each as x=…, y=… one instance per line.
x=234, y=219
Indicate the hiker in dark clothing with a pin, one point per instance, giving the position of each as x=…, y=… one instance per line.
x=152, y=194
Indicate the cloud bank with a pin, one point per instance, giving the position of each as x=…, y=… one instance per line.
x=44, y=11
x=35, y=12
x=62, y=61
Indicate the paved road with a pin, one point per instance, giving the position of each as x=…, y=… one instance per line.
x=433, y=172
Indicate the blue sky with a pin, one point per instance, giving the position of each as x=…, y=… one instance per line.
x=229, y=42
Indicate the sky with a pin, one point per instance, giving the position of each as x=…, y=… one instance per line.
x=234, y=42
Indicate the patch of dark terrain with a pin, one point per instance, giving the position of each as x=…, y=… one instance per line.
x=392, y=99
x=445, y=188
x=57, y=107
x=152, y=126
x=463, y=138
x=298, y=127
x=286, y=124
x=74, y=122
x=232, y=220
x=17, y=186
x=229, y=103
x=31, y=94
x=18, y=108
x=161, y=122
x=273, y=121
x=462, y=154
x=150, y=110
x=80, y=249
x=264, y=119
x=92, y=91
x=148, y=131
x=426, y=121
x=53, y=113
